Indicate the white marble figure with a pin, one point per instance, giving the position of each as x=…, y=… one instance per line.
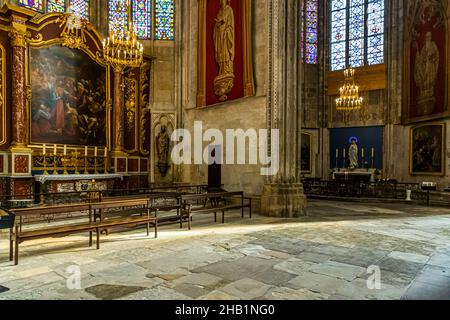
x=353, y=155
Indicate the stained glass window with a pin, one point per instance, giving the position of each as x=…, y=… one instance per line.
x=357, y=33
x=80, y=7
x=118, y=15
x=142, y=18
x=56, y=5
x=37, y=5
x=164, y=19
x=144, y=13
x=309, y=35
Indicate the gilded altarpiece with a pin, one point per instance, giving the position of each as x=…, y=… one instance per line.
x=56, y=72
x=426, y=60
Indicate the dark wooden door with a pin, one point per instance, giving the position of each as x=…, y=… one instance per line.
x=215, y=169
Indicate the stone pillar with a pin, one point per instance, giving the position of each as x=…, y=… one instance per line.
x=21, y=185
x=19, y=87
x=119, y=156
x=283, y=194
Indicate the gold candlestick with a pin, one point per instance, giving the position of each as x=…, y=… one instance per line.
x=76, y=161
x=85, y=164
x=45, y=165
x=106, y=165
x=55, y=159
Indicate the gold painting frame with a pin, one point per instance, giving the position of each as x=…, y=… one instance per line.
x=442, y=172
x=64, y=40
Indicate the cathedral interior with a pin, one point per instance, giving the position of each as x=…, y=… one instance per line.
x=224, y=150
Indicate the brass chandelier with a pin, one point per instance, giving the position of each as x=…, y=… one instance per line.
x=122, y=49
x=349, y=99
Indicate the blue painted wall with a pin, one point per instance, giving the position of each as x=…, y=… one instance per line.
x=368, y=138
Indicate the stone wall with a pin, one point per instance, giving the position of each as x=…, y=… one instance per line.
x=246, y=113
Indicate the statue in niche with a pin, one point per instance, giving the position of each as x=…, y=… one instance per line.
x=162, y=150
x=224, y=45
x=425, y=75
x=353, y=154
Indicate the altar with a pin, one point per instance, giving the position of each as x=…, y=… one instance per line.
x=365, y=175
x=75, y=182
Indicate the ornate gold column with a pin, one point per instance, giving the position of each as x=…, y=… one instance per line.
x=119, y=156
x=118, y=113
x=18, y=35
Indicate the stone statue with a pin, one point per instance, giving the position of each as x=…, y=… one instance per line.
x=353, y=155
x=162, y=145
x=425, y=75
x=224, y=45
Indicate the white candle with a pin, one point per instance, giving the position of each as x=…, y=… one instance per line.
x=44, y=150
x=362, y=152
x=344, y=152
x=85, y=151
x=337, y=153
x=54, y=149
x=106, y=152
x=373, y=152
x=95, y=151
x=65, y=150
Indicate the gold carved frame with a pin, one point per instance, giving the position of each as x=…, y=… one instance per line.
x=3, y=102
x=74, y=41
x=249, y=86
x=443, y=149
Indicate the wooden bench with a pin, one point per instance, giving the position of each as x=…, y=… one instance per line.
x=176, y=205
x=18, y=236
x=219, y=203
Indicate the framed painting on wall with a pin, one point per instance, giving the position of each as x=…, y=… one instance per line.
x=69, y=97
x=306, y=153
x=427, y=150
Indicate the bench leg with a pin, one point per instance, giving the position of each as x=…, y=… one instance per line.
x=16, y=253
x=98, y=238
x=148, y=229
x=223, y=216
x=90, y=238
x=11, y=245
x=11, y=250
x=189, y=221
x=215, y=217
x=156, y=228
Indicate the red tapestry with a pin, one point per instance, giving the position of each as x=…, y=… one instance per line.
x=428, y=64
x=212, y=68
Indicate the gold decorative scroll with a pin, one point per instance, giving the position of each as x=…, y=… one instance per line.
x=131, y=104
x=144, y=103
x=74, y=38
x=3, y=94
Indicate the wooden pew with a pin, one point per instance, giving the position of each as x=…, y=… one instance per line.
x=18, y=235
x=218, y=203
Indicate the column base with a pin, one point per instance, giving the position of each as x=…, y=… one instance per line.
x=283, y=200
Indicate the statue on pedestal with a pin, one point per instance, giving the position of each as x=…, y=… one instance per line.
x=353, y=154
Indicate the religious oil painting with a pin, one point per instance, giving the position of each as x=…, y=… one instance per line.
x=306, y=153
x=427, y=149
x=68, y=103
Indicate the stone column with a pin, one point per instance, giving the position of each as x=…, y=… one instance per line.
x=18, y=35
x=283, y=194
x=21, y=185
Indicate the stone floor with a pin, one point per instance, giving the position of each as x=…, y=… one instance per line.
x=334, y=253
